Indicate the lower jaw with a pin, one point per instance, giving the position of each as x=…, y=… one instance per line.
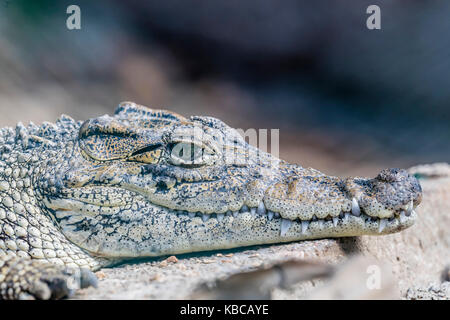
x=248, y=229
x=185, y=234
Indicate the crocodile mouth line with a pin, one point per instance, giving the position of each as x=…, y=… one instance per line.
x=375, y=224
x=399, y=218
x=63, y=207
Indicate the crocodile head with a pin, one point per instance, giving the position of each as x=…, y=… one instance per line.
x=149, y=182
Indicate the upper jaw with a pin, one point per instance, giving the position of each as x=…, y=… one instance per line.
x=392, y=194
x=302, y=196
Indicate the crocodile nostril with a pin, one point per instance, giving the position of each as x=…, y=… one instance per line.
x=165, y=183
x=161, y=185
x=392, y=175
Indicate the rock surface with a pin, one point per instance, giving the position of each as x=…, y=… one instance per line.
x=418, y=257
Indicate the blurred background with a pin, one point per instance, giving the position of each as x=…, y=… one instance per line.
x=347, y=100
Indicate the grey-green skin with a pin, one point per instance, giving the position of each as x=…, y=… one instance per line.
x=87, y=194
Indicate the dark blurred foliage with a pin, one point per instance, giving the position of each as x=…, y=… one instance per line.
x=347, y=100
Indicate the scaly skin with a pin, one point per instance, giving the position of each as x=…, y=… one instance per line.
x=150, y=182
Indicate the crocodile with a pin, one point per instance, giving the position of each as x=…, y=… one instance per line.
x=77, y=196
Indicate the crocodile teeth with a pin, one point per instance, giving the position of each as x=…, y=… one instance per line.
x=277, y=215
x=244, y=208
x=191, y=214
x=383, y=223
x=402, y=217
x=285, y=225
x=205, y=217
x=346, y=215
x=356, y=211
x=314, y=218
x=252, y=211
x=305, y=225
x=229, y=213
x=409, y=209
x=335, y=221
x=321, y=224
x=235, y=213
x=220, y=216
x=270, y=215
x=261, y=209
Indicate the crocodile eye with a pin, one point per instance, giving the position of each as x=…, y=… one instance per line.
x=188, y=154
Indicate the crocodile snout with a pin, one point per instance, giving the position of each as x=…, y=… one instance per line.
x=390, y=193
x=396, y=187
